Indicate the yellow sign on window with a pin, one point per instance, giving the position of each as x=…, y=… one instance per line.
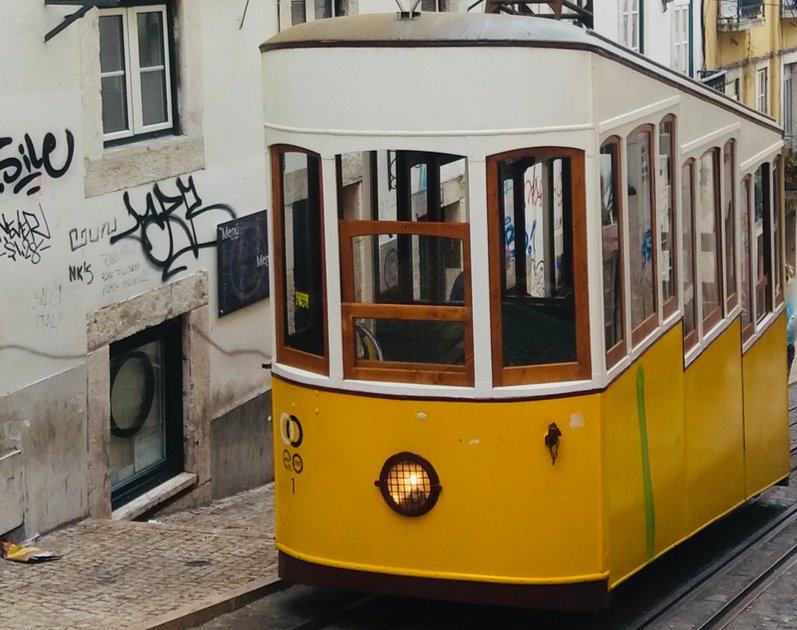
x=302, y=300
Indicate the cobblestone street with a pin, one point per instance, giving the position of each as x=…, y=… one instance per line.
x=119, y=574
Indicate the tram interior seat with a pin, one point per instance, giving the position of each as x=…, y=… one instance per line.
x=539, y=330
x=434, y=342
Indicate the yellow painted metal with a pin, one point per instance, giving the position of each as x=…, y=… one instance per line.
x=766, y=424
x=714, y=426
x=506, y=512
x=628, y=506
x=657, y=456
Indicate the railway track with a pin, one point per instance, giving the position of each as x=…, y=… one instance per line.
x=747, y=596
x=678, y=604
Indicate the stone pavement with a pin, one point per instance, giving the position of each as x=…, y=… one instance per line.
x=177, y=571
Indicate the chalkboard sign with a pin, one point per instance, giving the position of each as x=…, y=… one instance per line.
x=243, y=262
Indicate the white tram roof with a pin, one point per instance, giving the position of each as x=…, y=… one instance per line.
x=430, y=27
x=481, y=29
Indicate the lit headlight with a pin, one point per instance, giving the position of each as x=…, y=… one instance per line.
x=409, y=484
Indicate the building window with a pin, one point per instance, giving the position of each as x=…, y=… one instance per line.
x=681, y=37
x=688, y=257
x=762, y=90
x=612, y=231
x=539, y=311
x=641, y=242
x=302, y=11
x=631, y=25
x=732, y=88
x=788, y=109
x=146, y=411
x=135, y=69
x=438, y=6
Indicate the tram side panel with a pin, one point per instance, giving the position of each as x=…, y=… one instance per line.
x=714, y=422
x=508, y=513
x=646, y=458
x=766, y=426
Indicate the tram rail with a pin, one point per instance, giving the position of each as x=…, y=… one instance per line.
x=742, y=552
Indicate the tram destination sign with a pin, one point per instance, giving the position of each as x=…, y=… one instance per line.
x=242, y=262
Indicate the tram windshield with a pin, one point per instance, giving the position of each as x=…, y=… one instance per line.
x=404, y=261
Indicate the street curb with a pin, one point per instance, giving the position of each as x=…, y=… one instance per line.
x=209, y=608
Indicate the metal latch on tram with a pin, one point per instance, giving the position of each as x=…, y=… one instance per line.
x=552, y=441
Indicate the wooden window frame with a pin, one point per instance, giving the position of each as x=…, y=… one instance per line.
x=778, y=232
x=761, y=312
x=691, y=338
x=748, y=329
x=400, y=371
x=581, y=369
x=285, y=354
x=710, y=320
x=651, y=322
x=620, y=349
x=730, y=255
x=670, y=305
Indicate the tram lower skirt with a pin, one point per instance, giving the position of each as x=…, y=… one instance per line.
x=593, y=595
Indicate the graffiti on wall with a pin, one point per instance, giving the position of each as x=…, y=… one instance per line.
x=121, y=270
x=24, y=235
x=81, y=273
x=47, y=303
x=166, y=227
x=23, y=163
x=81, y=237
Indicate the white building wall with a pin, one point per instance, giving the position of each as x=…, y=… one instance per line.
x=59, y=264
x=657, y=28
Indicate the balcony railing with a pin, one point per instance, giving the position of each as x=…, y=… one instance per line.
x=737, y=15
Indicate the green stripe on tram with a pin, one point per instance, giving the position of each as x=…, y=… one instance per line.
x=647, y=482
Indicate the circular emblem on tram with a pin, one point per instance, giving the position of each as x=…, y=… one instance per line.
x=291, y=430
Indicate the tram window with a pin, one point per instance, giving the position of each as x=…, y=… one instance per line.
x=404, y=266
x=747, y=322
x=729, y=223
x=538, y=266
x=776, y=232
x=612, y=237
x=430, y=342
x=299, y=259
x=708, y=223
x=665, y=204
x=642, y=252
x=762, y=242
x=419, y=269
x=418, y=186
x=688, y=246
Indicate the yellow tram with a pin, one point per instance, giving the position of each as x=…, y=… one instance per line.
x=528, y=297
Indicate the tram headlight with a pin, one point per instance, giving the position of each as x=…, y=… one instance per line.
x=409, y=484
